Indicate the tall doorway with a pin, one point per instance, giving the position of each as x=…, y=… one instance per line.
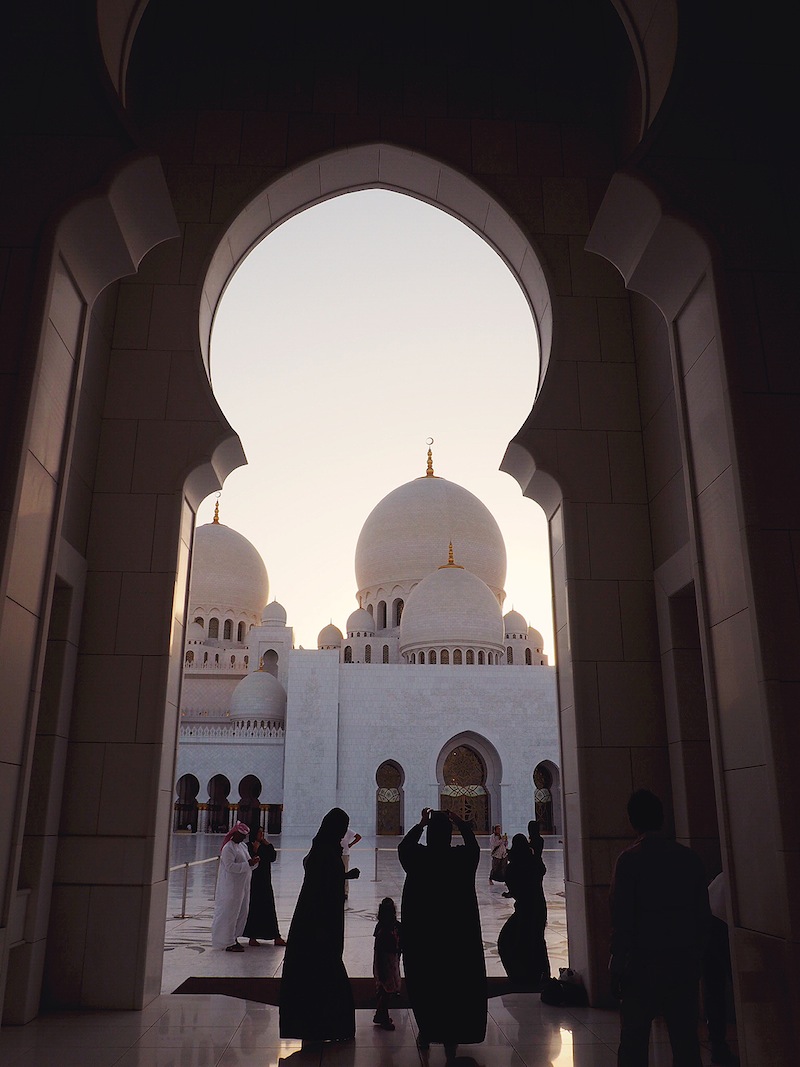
x=464, y=790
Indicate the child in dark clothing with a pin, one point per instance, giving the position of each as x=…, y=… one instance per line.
x=386, y=962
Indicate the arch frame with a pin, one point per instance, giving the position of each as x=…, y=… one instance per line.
x=491, y=762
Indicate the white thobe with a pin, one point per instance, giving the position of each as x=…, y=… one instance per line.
x=233, y=894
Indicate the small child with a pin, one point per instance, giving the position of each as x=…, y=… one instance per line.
x=386, y=962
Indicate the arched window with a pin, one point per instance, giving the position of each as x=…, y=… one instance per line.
x=371, y=610
x=216, y=659
x=240, y=633
x=457, y=660
x=213, y=628
x=227, y=630
x=481, y=659
x=444, y=659
x=205, y=657
x=432, y=656
x=348, y=653
x=527, y=657
x=189, y=658
x=509, y=654
x=381, y=614
x=422, y=657
x=200, y=621
x=397, y=612
x=247, y=661
x=368, y=654
x=233, y=660
x=470, y=658
x=269, y=662
x=385, y=653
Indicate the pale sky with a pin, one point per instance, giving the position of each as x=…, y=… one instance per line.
x=350, y=335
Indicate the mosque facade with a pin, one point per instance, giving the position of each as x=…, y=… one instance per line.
x=431, y=696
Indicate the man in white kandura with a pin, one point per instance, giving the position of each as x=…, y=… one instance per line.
x=233, y=890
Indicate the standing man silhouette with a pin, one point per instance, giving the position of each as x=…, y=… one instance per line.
x=659, y=926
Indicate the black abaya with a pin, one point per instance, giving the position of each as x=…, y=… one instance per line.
x=521, y=944
x=262, y=919
x=316, y=1001
x=442, y=947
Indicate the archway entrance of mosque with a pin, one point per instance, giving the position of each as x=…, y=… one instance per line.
x=218, y=808
x=389, y=799
x=543, y=798
x=249, y=806
x=186, y=806
x=464, y=790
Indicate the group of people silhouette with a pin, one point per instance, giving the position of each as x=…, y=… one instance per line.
x=441, y=926
x=660, y=932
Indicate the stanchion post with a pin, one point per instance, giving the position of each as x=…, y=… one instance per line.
x=376, y=879
x=185, y=888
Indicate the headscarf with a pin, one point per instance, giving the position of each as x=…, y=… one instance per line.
x=439, y=831
x=331, y=831
x=237, y=828
x=520, y=852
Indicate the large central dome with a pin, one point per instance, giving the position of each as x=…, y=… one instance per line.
x=406, y=536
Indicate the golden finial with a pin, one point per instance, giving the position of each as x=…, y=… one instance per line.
x=216, y=512
x=451, y=561
x=429, y=472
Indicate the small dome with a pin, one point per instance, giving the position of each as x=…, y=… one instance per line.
x=535, y=638
x=227, y=572
x=259, y=695
x=361, y=622
x=195, y=634
x=515, y=623
x=452, y=606
x=274, y=614
x=330, y=636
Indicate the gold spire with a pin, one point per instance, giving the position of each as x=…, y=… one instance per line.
x=451, y=561
x=429, y=471
x=216, y=512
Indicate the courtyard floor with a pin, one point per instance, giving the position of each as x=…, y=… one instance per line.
x=218, y=1031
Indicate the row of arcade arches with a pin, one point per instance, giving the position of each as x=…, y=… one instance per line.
x=465, y=788
x=219, y=811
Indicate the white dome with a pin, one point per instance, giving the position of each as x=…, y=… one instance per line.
x=535, y=638
x=330, y=636
x=274, y=614
x=260, y=696
x=227, y=572
x=452, y=606
x=515, y=623
x=406, y=535
x=361, y=622
x=195, y=634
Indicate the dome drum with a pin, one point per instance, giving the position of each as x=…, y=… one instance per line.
x=453, y=655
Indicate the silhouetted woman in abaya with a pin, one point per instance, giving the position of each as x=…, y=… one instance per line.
x=521, y=943
x=442, y=946
x=316, y=1001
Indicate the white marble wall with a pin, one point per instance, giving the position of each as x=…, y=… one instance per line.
x=411, y=715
